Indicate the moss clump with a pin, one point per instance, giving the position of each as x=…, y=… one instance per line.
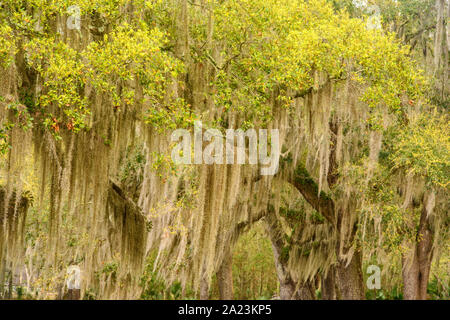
x=284, y=256
x=302, y=177
x=317, y=217
x=292, y=213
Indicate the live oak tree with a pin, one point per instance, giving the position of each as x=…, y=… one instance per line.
x=76, y=102
x=422, y=25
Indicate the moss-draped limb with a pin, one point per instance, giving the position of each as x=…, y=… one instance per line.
x=321, y=202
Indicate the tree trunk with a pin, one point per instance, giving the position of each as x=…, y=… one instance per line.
x=225, y=277
x=350, y=278
x=440, y=9
x=306, y=291
x=417, y=263
x=204, y=289
x=72, y=294
x=329, y=285
x=287, y=285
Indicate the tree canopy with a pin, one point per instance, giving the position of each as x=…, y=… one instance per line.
x=91, y=91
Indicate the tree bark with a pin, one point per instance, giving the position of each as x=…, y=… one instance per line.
x=225, y=277
x=306, y=291
x=329, y=285
x=350, y=278
x=204, y=289
x=287, y=285
x=440, y=11
x=417, y=262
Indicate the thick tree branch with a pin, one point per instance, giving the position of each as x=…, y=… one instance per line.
x=310, y=191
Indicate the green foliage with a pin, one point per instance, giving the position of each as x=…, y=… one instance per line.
x=423, y=149
x=7, y=46
x=292, y=213
x=155, y=288
x=394, y=294
x=383, y=202
x=267, y=47
x=163, y=164
x=284, y=256
x=60, y=67
x=90, y=294
x=130, y=53
x=4, y=137
x=109, y=268
x=281, y=46
x=438, y=290
x=131, y=172
x=176, y=114
x=254, y=274
x=405, y=10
